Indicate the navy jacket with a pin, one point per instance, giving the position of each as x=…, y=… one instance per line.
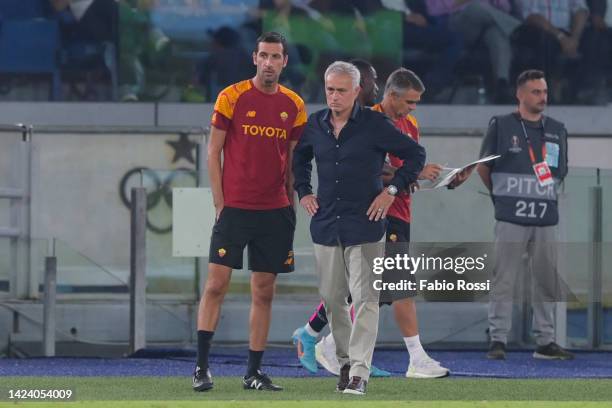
x=349, y=170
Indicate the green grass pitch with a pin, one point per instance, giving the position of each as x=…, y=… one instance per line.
x=162, y=392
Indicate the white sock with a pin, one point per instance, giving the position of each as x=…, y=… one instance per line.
x=310, y=330
x=415, y=348
x=329, y=341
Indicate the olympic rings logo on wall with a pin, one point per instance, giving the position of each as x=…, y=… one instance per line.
x=159, y=185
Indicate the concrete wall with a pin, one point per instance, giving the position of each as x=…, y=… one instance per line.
x=586, y=125
x=578, y=119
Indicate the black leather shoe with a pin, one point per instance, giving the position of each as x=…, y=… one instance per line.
x=552, y=351
x=343, y=380
x=497, y=351
x=357, y=386
x=202, y=380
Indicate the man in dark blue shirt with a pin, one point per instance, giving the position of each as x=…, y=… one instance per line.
x=349, y=144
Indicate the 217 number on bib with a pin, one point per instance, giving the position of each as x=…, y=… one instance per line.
x=531, y=209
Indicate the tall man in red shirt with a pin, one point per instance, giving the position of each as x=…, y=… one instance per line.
x=256, y=124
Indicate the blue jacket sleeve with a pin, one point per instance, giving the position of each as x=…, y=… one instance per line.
x=393, y=141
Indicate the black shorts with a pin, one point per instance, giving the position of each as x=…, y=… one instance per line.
x=268, y=234
x=398, y=231
x=397, y=242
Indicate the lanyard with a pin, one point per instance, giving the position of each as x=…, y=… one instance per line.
x=531, y=153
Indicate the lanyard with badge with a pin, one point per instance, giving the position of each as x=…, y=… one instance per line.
x=541, y=169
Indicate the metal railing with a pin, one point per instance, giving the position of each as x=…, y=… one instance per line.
x=18, y=195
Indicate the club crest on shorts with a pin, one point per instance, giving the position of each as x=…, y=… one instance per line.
x=289, y=260
x=284, y=116
x=393, y=238
x=222, y=252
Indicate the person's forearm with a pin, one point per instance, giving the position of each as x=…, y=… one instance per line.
x=215, y=172
x=485, y=175
x=538, y=20
x=289, y=188
x=579, y=21
x=302, y=169
x=290, y=179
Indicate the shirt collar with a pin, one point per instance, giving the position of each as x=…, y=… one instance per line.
x=354, y=113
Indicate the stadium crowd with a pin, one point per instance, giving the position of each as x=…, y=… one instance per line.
x=467, y=51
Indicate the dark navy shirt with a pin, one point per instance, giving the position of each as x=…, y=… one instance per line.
x=350, y=172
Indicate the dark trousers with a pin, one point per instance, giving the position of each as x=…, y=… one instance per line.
x=98, y=24
x=438, y=40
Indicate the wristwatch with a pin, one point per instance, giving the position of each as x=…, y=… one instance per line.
x=391, y=190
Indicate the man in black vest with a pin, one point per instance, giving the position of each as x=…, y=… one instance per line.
x=523, y=183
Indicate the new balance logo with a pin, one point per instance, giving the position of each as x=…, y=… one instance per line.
x=260, y=382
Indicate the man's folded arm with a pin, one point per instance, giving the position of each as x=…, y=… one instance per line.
x=405, y=148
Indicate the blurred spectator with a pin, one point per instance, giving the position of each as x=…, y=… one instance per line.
x=89, y=36
x=283, y=17
x=227, y=63
x=319, y=11
x=556, y=39
x=87, y=20
x=142, y=46
x=345, y=20
x=420, y=33
x=318, y=32
x=601, y=20
x=482, y=20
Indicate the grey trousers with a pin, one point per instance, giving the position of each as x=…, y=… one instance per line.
x=496, y=26
x=524, y=254
x=343, y=271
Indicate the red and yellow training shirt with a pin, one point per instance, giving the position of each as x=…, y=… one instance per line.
x=410, y=127
x=259, y=128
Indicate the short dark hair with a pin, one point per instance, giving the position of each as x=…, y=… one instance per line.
x=403, y=79
x=363, y=66
x=272, y=37
x=529, y=75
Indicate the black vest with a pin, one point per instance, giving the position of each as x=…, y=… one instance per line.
x=517, y=195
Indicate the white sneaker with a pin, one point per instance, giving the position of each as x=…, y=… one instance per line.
x=426, y=368
x=325, y=353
